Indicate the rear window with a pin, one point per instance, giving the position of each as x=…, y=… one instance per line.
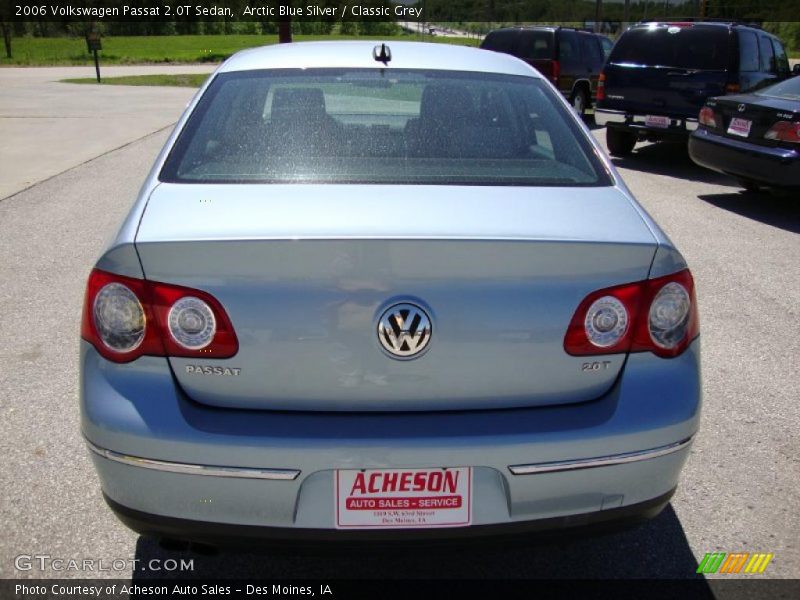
x=789, y=89
x=382, y=126
x=501, y=41
x=536, y=45
x=694, y=47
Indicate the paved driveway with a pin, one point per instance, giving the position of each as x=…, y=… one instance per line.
x=47, y=127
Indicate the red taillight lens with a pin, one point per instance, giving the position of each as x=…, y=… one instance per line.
x=784, y=131
x=655, y=315
x=733, y=88
x=707, y=117
x=125, y=318
x=556, y=72
x=601, y=87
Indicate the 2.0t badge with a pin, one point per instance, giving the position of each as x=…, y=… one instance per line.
x=404, y=330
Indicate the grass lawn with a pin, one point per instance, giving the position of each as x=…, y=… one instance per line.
x=178, y=80
x=123, y=50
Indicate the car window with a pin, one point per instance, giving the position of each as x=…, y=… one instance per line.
x=607, y=45
x=381, y=126
x=535, y=45
x=749, y=59
x=781, y=60
x=789, y=89
x=501, y=41
x=568, y=50
x=695, y=47
x=767, y=54
x=592, y=52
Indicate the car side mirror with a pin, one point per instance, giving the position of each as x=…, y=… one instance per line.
x=796, y=69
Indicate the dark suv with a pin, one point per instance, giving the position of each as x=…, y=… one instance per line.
x=572, y=59
x=659, y=76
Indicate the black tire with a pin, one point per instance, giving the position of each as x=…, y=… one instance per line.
x=580, y=102
x=619, y=142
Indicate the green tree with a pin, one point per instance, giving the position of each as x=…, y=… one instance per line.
x=6, y=31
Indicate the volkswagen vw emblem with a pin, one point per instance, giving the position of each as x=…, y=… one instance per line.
x=404, y=330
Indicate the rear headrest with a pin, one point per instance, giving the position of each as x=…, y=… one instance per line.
x=308, y=103
x=446, y=102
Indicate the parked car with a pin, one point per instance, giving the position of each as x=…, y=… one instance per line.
x=570, y=58
x=385, y=292
x=659, y=75
x=753, y=137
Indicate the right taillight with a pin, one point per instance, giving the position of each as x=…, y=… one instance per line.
x=655, y=315
x=556, y=72
x=707, y=117
x=784, y=131
x=601, y=87
x=125, y=318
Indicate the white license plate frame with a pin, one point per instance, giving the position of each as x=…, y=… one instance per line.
x=740, y=127
x=657, y=121
x=413, y=498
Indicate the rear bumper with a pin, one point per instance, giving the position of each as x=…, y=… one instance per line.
x=555, y=466
x=679, y=127
x=739, y=158
x=227, y=535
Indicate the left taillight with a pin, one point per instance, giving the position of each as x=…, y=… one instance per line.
x=125, y=318
x=707, y=117
x=655, y=315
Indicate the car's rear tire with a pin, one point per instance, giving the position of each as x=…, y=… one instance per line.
x=619, y=142
x=580, y=101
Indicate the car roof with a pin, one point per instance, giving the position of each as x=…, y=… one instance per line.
x=721, y=24
x=358, y=54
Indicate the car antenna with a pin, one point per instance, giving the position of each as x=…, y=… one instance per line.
x=382, y=54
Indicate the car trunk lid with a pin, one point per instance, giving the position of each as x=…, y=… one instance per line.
x=754, y=120
x=304, y=272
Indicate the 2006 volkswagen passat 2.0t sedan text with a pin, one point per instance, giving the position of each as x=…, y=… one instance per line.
x=385, y=292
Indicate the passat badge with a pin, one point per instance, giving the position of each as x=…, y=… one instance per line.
x=206, y=370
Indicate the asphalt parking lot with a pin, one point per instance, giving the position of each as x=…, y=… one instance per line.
x=740, y=490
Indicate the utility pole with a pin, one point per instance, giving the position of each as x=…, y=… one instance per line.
x=598, y=15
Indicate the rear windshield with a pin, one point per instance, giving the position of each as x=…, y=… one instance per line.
x=789, y=89
x=501, y=41
x=536, y=45
x=382, y=126
x=694, y=47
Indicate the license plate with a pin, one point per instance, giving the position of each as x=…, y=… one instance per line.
x=654, y=121
x=740, y=127
x=408, y=498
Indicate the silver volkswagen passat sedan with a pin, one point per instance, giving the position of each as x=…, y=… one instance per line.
x=385, y=292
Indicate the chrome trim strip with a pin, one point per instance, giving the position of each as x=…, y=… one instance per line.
x=602, y=461
x=190, y=469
